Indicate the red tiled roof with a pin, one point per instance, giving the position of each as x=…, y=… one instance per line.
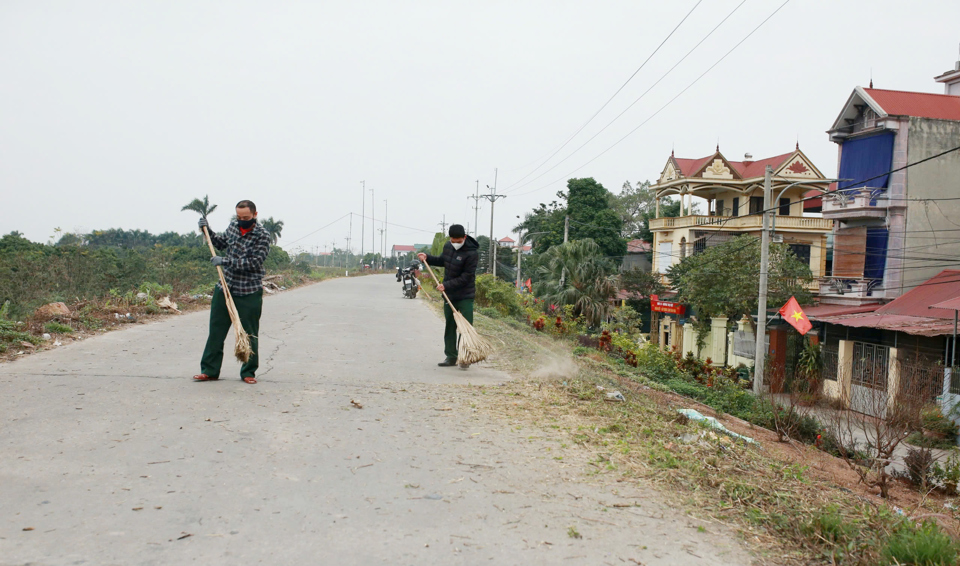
x=952, y=304
x=916, y=302
x=746, y=169
x=404, y=248
x=507, y=239
x=815, y=202
x=919, y=104
x=751, y=169
x=690, y=166
x=911, y=312
x=638, y=247
x=820, y=311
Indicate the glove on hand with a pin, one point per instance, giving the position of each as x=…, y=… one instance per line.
x=202, y=223
x=216, y=260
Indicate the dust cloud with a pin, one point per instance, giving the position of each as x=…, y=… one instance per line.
x=561, y=367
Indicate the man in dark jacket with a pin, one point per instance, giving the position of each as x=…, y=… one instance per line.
x=459, y=261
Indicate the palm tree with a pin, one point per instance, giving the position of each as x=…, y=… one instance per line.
x=203, y=207
x=576, y=273
x=274, y=228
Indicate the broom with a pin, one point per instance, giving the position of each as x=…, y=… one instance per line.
x=242, y=349
x=471, y=347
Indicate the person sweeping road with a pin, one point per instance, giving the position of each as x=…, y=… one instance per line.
x=459, y=261
x=244, y=245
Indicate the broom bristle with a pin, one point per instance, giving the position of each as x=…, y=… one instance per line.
x=242, y=350
x=472, y=347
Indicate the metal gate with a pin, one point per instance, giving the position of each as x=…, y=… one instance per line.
x=868, y=384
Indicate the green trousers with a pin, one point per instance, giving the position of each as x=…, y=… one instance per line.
x=249, y=308
x=465, y=307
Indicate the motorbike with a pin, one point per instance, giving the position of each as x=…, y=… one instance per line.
x=408, y=276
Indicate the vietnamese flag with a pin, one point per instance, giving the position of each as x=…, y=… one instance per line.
x=794, y=315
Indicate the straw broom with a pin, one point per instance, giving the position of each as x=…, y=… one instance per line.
x=471, y=347
x=242, y=349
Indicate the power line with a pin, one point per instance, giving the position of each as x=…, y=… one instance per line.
x=617, y=117
x=695, y=81
x=642, y=65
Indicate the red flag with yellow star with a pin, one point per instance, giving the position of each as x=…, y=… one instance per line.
x=793, y=314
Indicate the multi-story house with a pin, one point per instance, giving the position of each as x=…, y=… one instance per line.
x=894, y=231
x=733, y=191
x=884, y=329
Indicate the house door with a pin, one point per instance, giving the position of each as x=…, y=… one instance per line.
x=868, y=384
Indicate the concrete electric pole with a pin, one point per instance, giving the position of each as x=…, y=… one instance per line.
x=492, y=197
x=363, y=216
x=760, y=353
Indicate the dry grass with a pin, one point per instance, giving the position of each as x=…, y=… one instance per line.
x=788, y=501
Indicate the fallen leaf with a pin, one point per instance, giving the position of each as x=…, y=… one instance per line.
x=356, y=403
x=138, y=508
x=184, y=535
x=28, y=528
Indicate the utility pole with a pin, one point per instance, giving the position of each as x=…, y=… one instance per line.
x=373, y=224
x=443, y=225
x=760, y=353
x=519, y=256
x=476, y=211
x=566, y=229
x=386, y=210
x=363, y=215
x=492, y=197
x=349, y=239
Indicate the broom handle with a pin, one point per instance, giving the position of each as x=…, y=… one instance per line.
x=231, y=308
x=438, y=282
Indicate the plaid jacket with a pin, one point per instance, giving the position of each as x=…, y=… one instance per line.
x=243, y=257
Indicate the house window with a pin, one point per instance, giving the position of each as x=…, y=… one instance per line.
x=784, y=207
x=736, y=206
x=719, y=209
x=802, y=251
x=664, y=256
x=756, y=205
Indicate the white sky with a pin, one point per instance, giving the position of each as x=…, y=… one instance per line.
x=116, y=114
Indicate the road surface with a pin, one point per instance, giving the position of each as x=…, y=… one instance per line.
x=112, y=455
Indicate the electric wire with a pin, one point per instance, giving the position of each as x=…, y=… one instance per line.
x=515, y=186
x=688, y=87
x=595, y=114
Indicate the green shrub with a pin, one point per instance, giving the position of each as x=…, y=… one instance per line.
x=156, y=289
x=56, y=328
x=925, y=545
x=498, y=294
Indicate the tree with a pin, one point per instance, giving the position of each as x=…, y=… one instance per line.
x=724, y=280
x=588, y=206
x=642, y=282
x=577, y=273
x=274, y=228
x=202, y=207
x=632, y=206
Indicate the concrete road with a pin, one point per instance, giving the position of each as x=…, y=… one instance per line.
x=109, y=454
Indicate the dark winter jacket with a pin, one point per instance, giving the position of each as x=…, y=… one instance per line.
x=460, y=269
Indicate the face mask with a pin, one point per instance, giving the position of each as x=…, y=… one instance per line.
x=246, y=224
x=456, y=246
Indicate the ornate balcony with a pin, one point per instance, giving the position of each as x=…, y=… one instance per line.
x=746, y=223
x=864, y=202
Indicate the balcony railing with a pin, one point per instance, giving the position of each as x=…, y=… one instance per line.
x=859, y=202
x=751, y=222
x=852, y=289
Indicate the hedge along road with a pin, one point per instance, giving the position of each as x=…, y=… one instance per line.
x=111, y=455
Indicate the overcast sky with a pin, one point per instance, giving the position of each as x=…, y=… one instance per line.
x=116, y=114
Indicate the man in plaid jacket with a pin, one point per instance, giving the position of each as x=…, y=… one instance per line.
x=244, y=245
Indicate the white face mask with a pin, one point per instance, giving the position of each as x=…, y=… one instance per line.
x=456, y=246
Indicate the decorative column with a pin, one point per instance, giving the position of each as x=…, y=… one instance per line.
x=718, y=345
x=689, y=339
x=893, y=379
